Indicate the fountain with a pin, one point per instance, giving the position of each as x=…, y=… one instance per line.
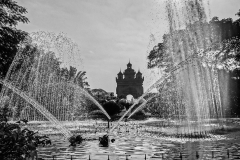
x=196, y=62
x=39, y=82
x=39, y=107
x=40, y=87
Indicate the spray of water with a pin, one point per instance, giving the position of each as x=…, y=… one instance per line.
x=39, y=107
x=43, y=81
x=205, y=59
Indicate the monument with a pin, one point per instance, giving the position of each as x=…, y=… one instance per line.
x=129, y=83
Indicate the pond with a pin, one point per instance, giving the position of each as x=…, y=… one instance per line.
x=140, y=140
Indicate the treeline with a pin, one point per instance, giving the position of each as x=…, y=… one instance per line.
x=182, y=44
x=36, y=72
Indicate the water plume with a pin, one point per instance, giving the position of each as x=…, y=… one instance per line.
x=46, y=81
x=197, y=58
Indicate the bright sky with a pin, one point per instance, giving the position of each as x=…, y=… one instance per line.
x=110, y=32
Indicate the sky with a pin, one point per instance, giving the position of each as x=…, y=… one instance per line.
x=109, y=33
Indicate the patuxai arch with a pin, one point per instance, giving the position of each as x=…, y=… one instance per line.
x=129, y=82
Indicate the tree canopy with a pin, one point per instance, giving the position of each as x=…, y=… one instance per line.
x=10, y=37
x=215, y=44
x=111, y=108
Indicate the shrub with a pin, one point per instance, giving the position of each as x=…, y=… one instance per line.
x=111, y=108
x=17, y=143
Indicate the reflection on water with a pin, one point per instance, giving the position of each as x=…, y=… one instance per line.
x=135, y=140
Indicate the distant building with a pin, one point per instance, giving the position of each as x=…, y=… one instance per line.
x=129, y=82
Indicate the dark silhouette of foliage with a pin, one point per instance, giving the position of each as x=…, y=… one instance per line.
x=71, y=75
x=124, y=104
x=11, y=14
x=17, y=143
x=215, y=32
x=235, y=93
x=158, y=57
x=112, y=108
x=99, y=94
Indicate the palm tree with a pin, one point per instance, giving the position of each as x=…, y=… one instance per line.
x=72, y=75
x=80, y=79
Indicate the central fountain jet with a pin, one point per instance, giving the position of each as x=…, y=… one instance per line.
x=194, y=69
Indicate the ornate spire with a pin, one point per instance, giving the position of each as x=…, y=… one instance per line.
x=139, y=71
x=120, y=72
x=129, y=65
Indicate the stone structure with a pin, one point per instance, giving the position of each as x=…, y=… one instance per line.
x=129, y=82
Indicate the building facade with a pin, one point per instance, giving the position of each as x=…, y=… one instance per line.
x=129, y=82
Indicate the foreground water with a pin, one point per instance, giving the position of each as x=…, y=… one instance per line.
x=140, y=140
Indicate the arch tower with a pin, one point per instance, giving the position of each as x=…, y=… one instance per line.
x=129, y=82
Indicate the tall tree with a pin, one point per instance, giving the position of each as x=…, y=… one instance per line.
x=80, y=79
x=72, y=75
x=217, y=35
x=10, y=37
